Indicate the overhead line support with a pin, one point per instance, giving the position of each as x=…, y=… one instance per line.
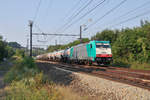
x=55, y=34
x=31, y=26
x=81, y=34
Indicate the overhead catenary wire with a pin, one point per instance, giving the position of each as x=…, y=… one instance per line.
x=49, y=6
x=79, y=10
x=88, y=12
x=37, y=10
x=132, y=18
x=107, y=13
x=74, y=16
x=133, y=10
x=129, y=12
x=39, y=29
x=72, y=9
x=34, y=18
x=50, y=3
x=36, y=14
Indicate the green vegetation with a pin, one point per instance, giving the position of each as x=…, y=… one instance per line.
x=37, y=51
x=5, y=50
x=130, y=46
x=9, y=49
x=14, y=45
x=6, y=65
x=35, y=88
x=32, y=89
x=20, y=53
x=21, y=69
x=26, y=82
x=144, y=66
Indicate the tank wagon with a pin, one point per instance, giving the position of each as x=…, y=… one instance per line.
x=42, y=57
x=65, y=57
x=58, y=55
x=86, y=53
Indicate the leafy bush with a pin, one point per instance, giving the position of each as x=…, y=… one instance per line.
x=32, y=89
x=2, y=49
x=5, y=50
x=129, y=45
x=20, y=53
x=22, y=68
x=139, y=66
x=36, y=88
x=9, y=51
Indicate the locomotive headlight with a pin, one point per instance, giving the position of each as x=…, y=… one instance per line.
x=109, y=54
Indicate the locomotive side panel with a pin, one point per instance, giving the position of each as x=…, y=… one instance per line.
x=80, y=52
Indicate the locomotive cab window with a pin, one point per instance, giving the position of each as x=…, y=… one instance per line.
x=90, y=45
x=102, y=46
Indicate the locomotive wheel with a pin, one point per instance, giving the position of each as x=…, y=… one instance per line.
x=70, y=62
x=85, y=62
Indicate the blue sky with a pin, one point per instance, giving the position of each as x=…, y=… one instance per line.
x=52, y=14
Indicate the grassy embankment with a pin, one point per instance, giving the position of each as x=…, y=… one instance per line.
x=26, y=82
x=133, y=65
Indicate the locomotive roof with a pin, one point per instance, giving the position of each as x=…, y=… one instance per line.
x=102, y=41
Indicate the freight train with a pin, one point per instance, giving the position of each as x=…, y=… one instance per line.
x=86, y=53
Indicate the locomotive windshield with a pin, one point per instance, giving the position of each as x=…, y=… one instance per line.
x=101, y=45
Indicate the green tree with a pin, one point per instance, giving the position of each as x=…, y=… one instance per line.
x=9, y=51
x=20, y=52
x=14, y=45
x=106, y=35
x=3, y=51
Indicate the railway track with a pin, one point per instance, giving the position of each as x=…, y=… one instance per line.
x=132, y=77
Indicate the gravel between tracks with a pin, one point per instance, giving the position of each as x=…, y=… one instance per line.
x=96, y=87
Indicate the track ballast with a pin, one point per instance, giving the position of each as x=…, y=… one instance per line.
x=136, y=78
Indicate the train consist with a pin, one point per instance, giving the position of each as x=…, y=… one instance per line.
x=86, y=53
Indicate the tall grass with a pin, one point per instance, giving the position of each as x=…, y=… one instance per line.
x=131, y=65
x=26, y=82
x=139, y=66
x=36, y=88
x=22, y=68
x=32, y=89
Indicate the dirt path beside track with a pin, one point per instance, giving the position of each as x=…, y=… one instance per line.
x=2, y=85
x=1, y=79
x=4, y=68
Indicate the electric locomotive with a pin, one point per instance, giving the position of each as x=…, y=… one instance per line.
x=94, y=51
x=86, y=53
